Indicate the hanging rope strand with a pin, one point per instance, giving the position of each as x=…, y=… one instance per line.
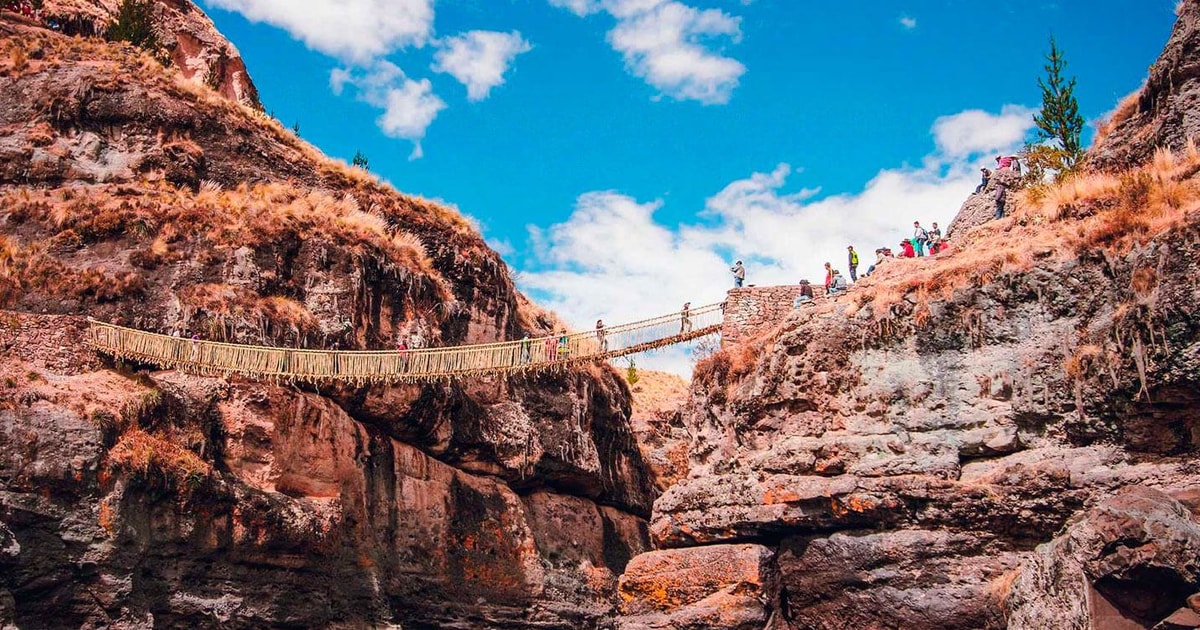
x=426, y=364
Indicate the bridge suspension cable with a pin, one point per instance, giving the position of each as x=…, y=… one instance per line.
x=425, y=364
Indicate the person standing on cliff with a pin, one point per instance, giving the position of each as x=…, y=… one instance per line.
x=1001, y=198
x=739, y=274
x=828, y=276
x=920, y=238
x=685, y=318
x=853, y=262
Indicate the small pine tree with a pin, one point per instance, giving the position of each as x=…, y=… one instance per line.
x=296, y=127
x=135, y=24
x=360, y=161
x=1059, y=121
x=631, y=373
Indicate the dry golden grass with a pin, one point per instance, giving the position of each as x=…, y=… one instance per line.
x=1086, y=212
x=157, y=460
x=1124, y=111
x=657, y=393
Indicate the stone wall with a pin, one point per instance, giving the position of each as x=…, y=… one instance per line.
x=751, y=310
x=52, y=342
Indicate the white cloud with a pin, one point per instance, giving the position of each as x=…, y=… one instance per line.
x=666, y=43
x=409, y=106
x=908, y=22
x=578, y=7
x=353, y=30
x=479, y=59
x=976, y=132
x=612, y=259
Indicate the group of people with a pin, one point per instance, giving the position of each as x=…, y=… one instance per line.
x=1001, y=196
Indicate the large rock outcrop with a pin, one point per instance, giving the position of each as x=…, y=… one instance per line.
x=972, y=440
x=189, y=39
x=136, y=498
x=1165, y=112
x=903, y=464
x=1129, y=562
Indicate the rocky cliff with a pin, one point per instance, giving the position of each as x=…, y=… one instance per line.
x=135, y=498
x=1165, y=112
x=1004, y=435
x=188, y=38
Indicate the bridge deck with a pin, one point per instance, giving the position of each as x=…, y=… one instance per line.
x=426, y=364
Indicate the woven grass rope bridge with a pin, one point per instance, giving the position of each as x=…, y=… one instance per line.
x=396, y=366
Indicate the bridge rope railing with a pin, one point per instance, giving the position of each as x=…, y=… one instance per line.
x=425, y=364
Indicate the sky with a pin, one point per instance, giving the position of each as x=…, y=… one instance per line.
x=621, y=154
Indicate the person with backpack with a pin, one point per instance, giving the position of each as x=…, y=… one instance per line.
x=839, y=283
x=739, y=274
x=853, y=262
x=685, y=318
x=920, y=238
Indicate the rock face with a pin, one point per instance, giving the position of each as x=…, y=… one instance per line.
x=133, y=499
x=1128, y=562
x=980, y=207
x=942, y=448
x=901, y=471
x=1166, y=111
x=195, y=47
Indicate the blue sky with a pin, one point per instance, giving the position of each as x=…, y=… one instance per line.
x=620, y=153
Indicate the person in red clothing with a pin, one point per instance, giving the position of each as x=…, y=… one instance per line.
x=906, y=249
x=828, y=276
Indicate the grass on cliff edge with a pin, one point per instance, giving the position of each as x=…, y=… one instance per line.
x=1089, y=212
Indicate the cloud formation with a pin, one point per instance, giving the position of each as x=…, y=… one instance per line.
x=409, y=106
x=976, y=132
x=612, y=259
x=908, y=22
x=670, y=45
x=351, y=30
x=479, y=59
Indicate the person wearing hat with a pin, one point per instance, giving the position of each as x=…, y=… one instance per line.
x=739, y=274
x=984, y=176
x=853, y=262
x=805, y=296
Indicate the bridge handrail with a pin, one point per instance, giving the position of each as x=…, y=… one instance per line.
x=226, y=358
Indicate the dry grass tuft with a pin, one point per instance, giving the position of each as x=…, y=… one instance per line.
x=1086, y=212
x=1123, y=112
x=157, y=460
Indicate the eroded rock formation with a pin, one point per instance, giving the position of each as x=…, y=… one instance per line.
x=1165, y=112
x=134, y=498
x=1011, y=442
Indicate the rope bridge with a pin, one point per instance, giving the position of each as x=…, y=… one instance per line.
x=426, y=364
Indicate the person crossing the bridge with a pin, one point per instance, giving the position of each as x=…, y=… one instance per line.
x=853, y=262
x=564, y=350
x=685, y=318
x=601, y=337
x=526, y=349
x=739, y=274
